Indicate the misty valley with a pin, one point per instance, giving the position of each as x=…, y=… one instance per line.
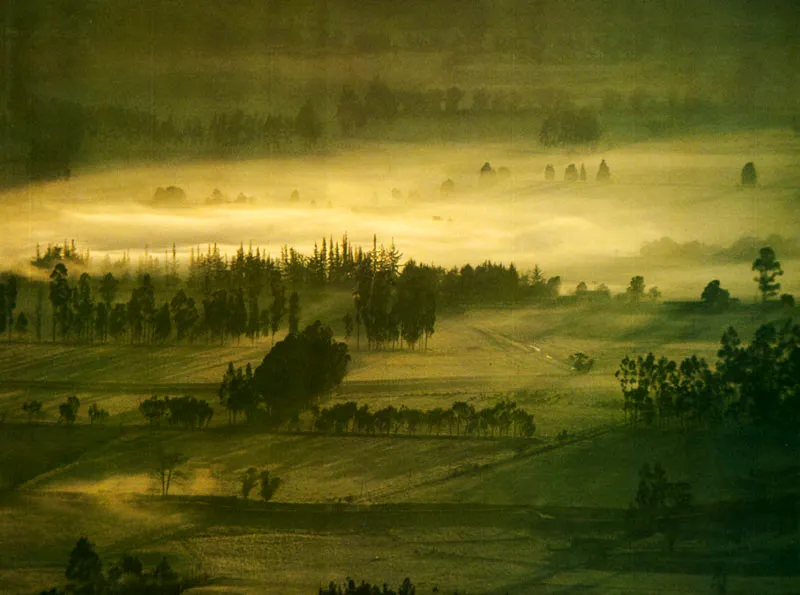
x=392, y=298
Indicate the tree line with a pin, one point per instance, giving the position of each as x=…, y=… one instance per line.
x=254, y=295
x=758, y=383
x=504, y=419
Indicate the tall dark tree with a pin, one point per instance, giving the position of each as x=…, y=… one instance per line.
x=294, y=313
x=184, y=315
x=60, y=294
x=108, y=289
x=749, y=175
x=162, y=325
x=278, y=308
x=769, y=269
x=307, y=124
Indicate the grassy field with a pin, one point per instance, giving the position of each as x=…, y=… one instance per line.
x=473, y=515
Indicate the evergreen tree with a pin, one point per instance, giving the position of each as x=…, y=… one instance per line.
x=769, y=269
x=294, y=313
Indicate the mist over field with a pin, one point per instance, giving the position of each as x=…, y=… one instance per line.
x=617, y=413
x=684, y=190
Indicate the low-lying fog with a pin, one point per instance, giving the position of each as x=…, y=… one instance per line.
x=685, y=190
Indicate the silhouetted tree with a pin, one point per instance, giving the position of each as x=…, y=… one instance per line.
x=184, y=314
x=84, y=564
x=294, y=313
x=715, y=297
x=162, y=325
x=603, y=172
x=278, y=308
x=571, y=173
x=167, y=464
x=96, y=414
x=300, y=369
x=580, y=362
x=768, y=269
x=269, y=485
x=636, y=288
x=307, y=125
x=21, y=324
x=60, y=294
x=347, y=320
x=68, y=410
x=749, y=175
x=249, y=481
x=32, y=408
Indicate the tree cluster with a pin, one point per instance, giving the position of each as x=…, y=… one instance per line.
x=187, y=412
x=567, y=126
x=505, y=418
x=757, y=383
x=68, y=410
x=127, y=576
x=268, y=484
x=292, y=377
x=394, y=306
x=659, y=504
x=365, y=588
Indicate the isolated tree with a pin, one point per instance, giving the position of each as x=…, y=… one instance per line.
x=583, y=173
x=269, y=485
x=447, y=188
x=581, y=363
x=294, y=313
x=549, y=173
x=68, y=410
x=749, y=175
x=249, y=480
x=768, y=269
x=603, y=172
x=715, y=297
x=635, y=289
x=32, y=408
x=166, y=468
